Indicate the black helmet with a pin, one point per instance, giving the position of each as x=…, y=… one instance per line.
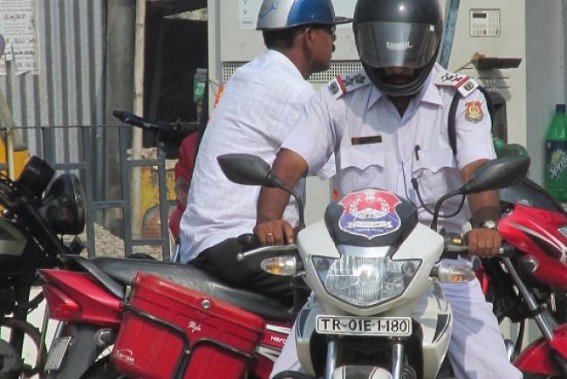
x=398, y=33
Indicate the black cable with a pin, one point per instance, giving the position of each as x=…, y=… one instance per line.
x=415, y=186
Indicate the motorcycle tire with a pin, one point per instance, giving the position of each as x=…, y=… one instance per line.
x=34, y=334
x=103, y=369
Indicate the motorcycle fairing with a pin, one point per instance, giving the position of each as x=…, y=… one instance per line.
x=433, y=315
x=529, y=193
x=315, y=240
x=433, y=323
x=97, y=306
x=370, y=217
x=536, y=233
x=537, y=357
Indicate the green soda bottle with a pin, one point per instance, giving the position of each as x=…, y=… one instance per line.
x=556, y=155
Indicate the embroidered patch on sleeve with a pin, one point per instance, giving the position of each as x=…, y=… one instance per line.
x=473, y=111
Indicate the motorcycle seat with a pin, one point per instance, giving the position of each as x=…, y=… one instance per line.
x=123, y=270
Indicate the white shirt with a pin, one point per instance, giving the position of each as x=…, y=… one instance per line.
x=415, y=146
x=259, y=106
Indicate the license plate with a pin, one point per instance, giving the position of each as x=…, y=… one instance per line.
x=57, y=353
x=364, y=326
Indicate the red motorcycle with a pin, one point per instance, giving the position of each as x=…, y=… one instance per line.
x=157, y=320
x=523, y=282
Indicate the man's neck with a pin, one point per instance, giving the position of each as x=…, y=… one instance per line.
x=401, y=103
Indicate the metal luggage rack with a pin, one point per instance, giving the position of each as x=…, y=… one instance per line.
x=81, y=149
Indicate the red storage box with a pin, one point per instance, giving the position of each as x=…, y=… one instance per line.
x=160, y=314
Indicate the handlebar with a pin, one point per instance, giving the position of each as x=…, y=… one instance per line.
x=165, y=131
x=265, y=250
x=455, y=246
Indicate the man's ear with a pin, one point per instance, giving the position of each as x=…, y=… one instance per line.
x=308, y=37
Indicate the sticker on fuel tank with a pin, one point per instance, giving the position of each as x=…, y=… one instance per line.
x=369, y=213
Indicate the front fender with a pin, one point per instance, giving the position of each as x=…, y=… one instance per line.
x=542, y=357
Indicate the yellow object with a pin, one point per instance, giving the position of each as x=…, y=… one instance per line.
x=20, y=158
x=150, y=199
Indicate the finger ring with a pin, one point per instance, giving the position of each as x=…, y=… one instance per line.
x=269, y=234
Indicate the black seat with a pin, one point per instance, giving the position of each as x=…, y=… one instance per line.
x=123, y=271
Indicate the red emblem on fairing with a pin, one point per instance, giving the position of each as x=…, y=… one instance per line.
x=369, y=213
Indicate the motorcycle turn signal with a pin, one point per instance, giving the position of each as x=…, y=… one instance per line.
x=452, y=274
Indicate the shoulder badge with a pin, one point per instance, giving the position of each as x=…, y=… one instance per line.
x=473, y=111
x=344, y=84
x=462, y=83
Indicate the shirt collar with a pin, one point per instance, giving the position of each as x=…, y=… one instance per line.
x=281, y=58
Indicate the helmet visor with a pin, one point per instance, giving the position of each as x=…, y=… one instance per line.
x=396, y=44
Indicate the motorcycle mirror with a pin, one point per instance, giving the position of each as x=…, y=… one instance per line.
x=496, y=174
x=248, y=170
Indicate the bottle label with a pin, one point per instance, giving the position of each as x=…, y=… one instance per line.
x=556, y=159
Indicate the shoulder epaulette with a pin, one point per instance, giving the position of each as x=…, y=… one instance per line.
x=344, y=84
x=462, y=83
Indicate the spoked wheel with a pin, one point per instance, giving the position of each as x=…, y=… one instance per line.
x=35, y=336
x=103, y=369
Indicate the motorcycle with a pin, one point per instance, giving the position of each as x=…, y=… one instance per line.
x=523, y=284
x=152, y=319
x=38, y=209
x=377, y=309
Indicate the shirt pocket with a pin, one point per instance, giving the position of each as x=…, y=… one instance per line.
x=436, y=173
x=362, y=157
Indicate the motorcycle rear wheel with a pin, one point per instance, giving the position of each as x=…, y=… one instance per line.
x=103, y=369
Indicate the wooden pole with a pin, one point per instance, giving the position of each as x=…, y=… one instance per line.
x=138, y=110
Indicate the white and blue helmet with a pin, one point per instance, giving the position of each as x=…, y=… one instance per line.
x=283, y=14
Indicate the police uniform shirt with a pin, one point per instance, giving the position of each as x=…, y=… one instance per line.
x=376, y=147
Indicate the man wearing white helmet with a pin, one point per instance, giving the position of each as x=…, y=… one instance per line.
x=259, y=106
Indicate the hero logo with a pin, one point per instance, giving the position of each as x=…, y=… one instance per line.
x=405, y=45
x=278, y=340
x=369, y=213
x=194, y=326
x=125, y=355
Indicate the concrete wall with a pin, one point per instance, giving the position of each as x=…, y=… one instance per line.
x=546, y=80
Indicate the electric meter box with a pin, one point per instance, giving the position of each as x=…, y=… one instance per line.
x=495, y=31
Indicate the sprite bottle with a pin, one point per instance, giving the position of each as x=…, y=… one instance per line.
x=555, y=180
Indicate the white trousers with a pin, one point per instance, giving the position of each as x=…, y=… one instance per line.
x=476, y=350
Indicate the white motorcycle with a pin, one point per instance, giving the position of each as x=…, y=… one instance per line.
x=377, y=310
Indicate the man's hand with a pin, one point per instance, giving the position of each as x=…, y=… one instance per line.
x=278, y=232
x=483, y=242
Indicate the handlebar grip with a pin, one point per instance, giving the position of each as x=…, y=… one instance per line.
x=132, y=119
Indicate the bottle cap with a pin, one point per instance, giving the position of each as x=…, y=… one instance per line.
x=560, y=108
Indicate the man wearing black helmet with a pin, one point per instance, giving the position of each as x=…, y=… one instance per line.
x=259, y=106
x=387, y=126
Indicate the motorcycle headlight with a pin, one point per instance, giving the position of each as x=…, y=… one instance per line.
x=365, y=276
